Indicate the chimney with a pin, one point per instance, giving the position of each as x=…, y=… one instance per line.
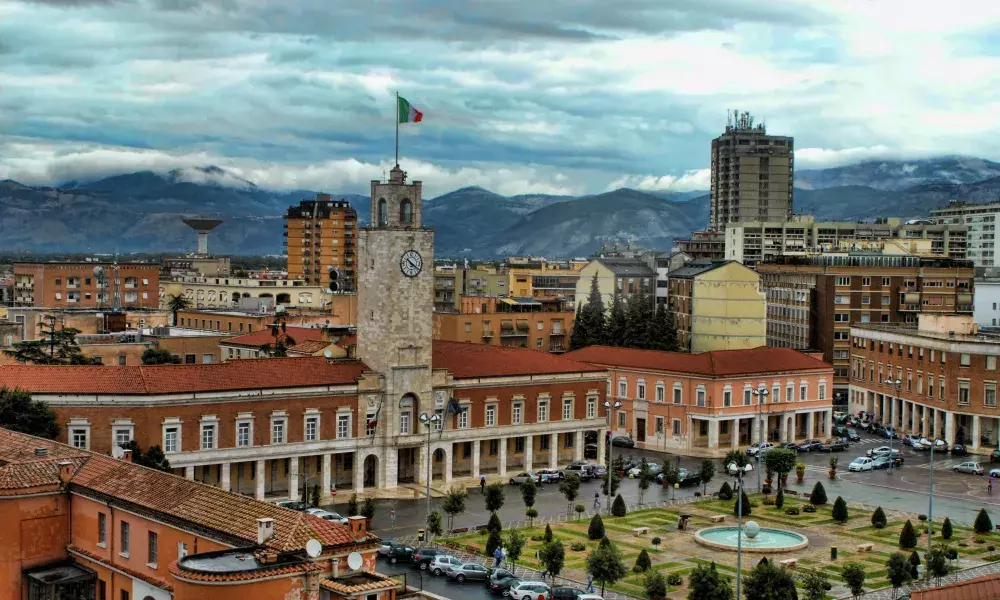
x=265, y=530
x=358, y=525
x=66, y=471
x=41, y=452
x=336, y=568
x=127, y=455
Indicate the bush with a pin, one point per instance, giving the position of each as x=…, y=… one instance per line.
x=840, y=510
x=983, y=523
x=808, y=508
x=746, y=506
x=656, y=586
x=578, y=546
x=618, y=507
x=878, y=518
x=538, y=538
x=642, y=562
x=964, y=545
x=656, y=541
x=493, y=543
x=922, y=517
x=818, y=495
x=596, y=529
x=494, y=524
x=792, y=511
x=946, y=529
x=548, y=534
x=907, y=537
x=976, y=540
x=579, y=509
x=779, y=500
x=951, y=553
x=769, y=502
x=674, y=579
x=725, y=492
x=697, y=494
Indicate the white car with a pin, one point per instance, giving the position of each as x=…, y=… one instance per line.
x=861, y=463
x=327, y=515
x=994, y=472
x=529, y=590
x=969, y=467
x=880, y=451
x=654, y=469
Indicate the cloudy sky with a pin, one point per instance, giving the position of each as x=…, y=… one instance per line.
x=553, y=96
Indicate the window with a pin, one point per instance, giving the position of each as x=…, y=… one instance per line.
x=991, y=363
x=885, y=301
x=567, y=414
x=866, y=299
x=789, y=392
x=243, y=433
x=621, y=419
x=343, y=426
x=312, y=428
x=123, y=435
x=591, y=408
x=543, y=411
x=622, y=388
x=659, y=425
x=102, y=529
x=640, y=390
x=700, y=396
x=842, y=299
x=370, y=424
x=208, y=436
x=963, y=392
x=278, y=431
x=843, y=281
x=463, y=419
x=78, y=438
x=677, y=393
x=990, y=393
x=515, y=414
x=152, y=549
x=494, y=447
x=206, y=359
x=491, y=415
x=941, y=395
x=822, y=391
x=803, y=391
x=404, y=423
x=964, y=360
x=677, y=426
x=866, y=318
x=886, y=281
x=518, y=445
x=124, y=541
x=866, y=281
x=841, y=335
x=124, y=595
x=170, y=439
x=182, y=550
x=727, y=398
x=841, y=318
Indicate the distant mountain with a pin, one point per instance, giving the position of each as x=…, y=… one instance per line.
x=898, y=175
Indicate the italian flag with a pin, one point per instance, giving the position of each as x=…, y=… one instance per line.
x=408, y=114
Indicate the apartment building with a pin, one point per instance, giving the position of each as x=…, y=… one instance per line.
x=717, y=305
x=452, y=282
x=711, y=402
x=986, y=302
x=750, y=242
x=86, y=285
x=321, y=234
x=532, y=277
x=94, y=527
x=948, y=374
x=834, y=291
x=752, y=174
x=542, y=324
x=706, y=245
x=981, y=220
x=616, y=276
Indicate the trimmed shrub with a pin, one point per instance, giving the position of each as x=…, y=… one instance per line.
x=656, y=541
x=578, y=546
x=951, y=553
x=493, y=543
x=674, y=579
x=907, y=537
x=745, y=503
x=779, y=500
x=946, y=529
x=548, y=534
x=840, y=510
x=596, y=529
x=768, y=501
x=725, y=492
x=618, y=507
x=792, y=511
x=878, y=518
x=642, y=562
x=818, y=495
x=538, y=538
x=922, y=517
x=983, y=523
x=494, y=524
x=808, y=508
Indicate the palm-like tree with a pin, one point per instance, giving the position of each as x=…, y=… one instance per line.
x=177, y=304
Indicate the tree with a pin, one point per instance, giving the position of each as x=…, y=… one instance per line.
x=673, y=344
x=314, y=495
x=671, y=475
x=155, y=356
x=746, y=505
x=493, y=542
x=898, y=571
x=983, y=523
x=642, y=562
x=434, y=524
x=705, y=583
x=177, y=304
x=854, y=575
x=547, y=537
x=946, y=531
x=368, y=511
x=579, y=337
x=645, y=478
x=618, y=507
x=590, y=320
x=616, y=323
x=937, y=562
x=352, y=506
x=596, y=529
x=18, y=412
x=779, y=498
x=514, y=544
x=878, y=518
x=454, y=504
x=780, y=461
x=528, y=492
x=907, y=537
x=818, y=495
x=735, y=456
x=815, y=585
x=659, y=329
x=840, y=510
x=553, y=557
x=638, y=319
x=570, y=489
x=656, y=585
x=914, y=563
x=706, y=473
x=605, y=564
x=615, y=483
x=56, y=347
x=494, y=523
x=726, y=491
x=154, y=458
x=767, y=581
x=494, y=497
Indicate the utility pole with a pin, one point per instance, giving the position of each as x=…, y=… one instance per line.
x=52, y=338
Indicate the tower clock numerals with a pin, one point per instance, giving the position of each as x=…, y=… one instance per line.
x=411, y=263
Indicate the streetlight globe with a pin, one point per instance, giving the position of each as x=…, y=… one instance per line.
x=732, y=468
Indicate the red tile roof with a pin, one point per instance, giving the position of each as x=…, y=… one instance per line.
x=264, y=336
x=980, y=588
x=719, y=363
x=264, y=572
x=165, y=379
x=467, y=360
x=164, y=585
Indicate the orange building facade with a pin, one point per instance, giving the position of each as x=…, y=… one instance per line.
x=514, y=322
x=322, y=234
x=74, y=285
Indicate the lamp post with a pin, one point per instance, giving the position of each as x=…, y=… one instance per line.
x=429, y=421
x=930, y=501
x=761, y=434
x=611, y=447
x=739, y=472
x=896, y=386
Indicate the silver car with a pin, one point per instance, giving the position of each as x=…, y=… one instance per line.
x=442, y=562
x=327, y=515
x=969, y=467
x=467, y=571
x=522, y=477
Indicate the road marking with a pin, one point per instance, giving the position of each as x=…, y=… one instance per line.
x=925, y=493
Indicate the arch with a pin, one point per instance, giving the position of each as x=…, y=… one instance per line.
x=370, y=471
x=284, y=299
x=223, y=296
x=438, y=461
x=405, y=212
x=383, y=212
x=246, y=294
x=265, y=295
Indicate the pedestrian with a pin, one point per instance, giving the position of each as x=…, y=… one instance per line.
x=392, y=515
x=989, y=484
x=482, y=483
x=503, y=556
x=497, y=554
x=590, y=583
x=597, y=500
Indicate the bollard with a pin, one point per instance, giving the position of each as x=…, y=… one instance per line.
x=833, y=553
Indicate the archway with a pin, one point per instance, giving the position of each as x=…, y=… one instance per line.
x=265, y=295
x=370, y=471
x=284, y=299
x=438, y=464
x=405, y=212
x=383, y=212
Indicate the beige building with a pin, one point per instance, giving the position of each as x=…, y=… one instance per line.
x=752, y=174
x=621, y=276
x=981, y=219
x=718, y=305
x=532, y=277
x=226, y=292
x=453, y=281
x=321, y=235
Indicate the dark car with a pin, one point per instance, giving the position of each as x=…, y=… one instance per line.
x=623, y=441
x=294, y=505
x=424, y=556
x=590, y=451
x=499, y=581
x=995, y=456
x=840, y=431
x=810, y=445
x=685, y=477
x=566, y=593
x=959, y=450
x=853, y=435
x=400, y=554
x=790, y=446
x=834, y=446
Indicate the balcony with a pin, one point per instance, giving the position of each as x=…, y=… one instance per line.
x=909, y=308
x=963, y=308
x=556, y=348
x=487, y=334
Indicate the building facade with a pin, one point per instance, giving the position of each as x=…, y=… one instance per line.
x=948, y=375
x=226, y=292
x=616, y=276
x=705, y=245
x=705, y=403
x=752, y=174
x=515, y=322
x=981, y=220
x=717, y=305
x=78, y=285
x=986, y=302
x=320, y=235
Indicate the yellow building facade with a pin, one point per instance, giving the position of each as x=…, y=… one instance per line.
x=718, y=305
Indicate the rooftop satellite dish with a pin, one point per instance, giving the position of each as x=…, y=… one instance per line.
x=117, y=451
x=314, y=548
x=354, y=561
x=328, y=353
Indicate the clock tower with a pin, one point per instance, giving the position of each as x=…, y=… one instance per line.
x=395, y=303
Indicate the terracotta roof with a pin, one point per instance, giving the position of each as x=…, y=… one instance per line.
x=720, y=363
x=166, y=379
x=164, y=585
x=363, y=581
x=266, y=571
x=980, y=588
x=466, y=360
x=264, y=336
x=308, y=347
x=172, y=498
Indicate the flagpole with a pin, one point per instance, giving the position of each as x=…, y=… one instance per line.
x=397, y=128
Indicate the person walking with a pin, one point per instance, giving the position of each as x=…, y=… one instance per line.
x=590, y=583
x=392, y=515
x=989, y=484
x=482, y=483
x=497, y=554
x=597, y=500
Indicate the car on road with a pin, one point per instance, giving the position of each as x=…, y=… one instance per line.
x=654, y=469
x=853, y=436
x=685, y=477
x=568, y=593
x=296, y=505
x=994, y=472
x=441, y=562
x=759, y=448
x=883, y=451
x=623, y=441
x=969, y=467
x=861, y=463
x=552, y=474
x=327, y=515
x=790, y=446
x=530, y=590
x=467, y=572
x=910, y=440
x=524, y=476
x=840, y=431
x=387, y=546
x=498, y=581
x=881, y=462
x=886, y=431
x=400, y=554
x=598, y=471
x=810, y=445
x=925, y=444
x=834, y=446
x=582, y=469
x=853, y=422
x=959, y=450
x=423, y=557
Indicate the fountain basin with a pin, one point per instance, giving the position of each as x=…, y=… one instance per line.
x=767, y=539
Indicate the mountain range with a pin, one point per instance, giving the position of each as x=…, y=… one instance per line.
x=141, y=212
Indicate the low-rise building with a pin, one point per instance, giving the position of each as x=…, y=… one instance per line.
x=542, y=324
x=534, y=277
x=298, y=341
x=717, y=305
x=86, y=284
x=188, y=346
x=948, y=378
x=710, y=402
x=620, y=276
x=226, y=292
x=237, y=321
x=706, y=245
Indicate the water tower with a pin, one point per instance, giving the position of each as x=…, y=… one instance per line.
x=203, y=226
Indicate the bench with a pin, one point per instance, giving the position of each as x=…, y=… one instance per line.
x=637, y=531
x=717, y=518
x=866, y=547
x=789, y=562
x=460, y=530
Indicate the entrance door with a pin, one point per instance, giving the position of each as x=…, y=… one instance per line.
x=640, y=433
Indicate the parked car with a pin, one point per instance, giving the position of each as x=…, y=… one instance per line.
x=524, y=476
x=295, y=505
x=400, y=554
x=529, y=590
x=887, y=432
x=790, y=446
x=552, y=474
x=834, y=446
x=387, y=546
x=441, y=562
x=994, y=472
x=598, y=471
x=623, y=441
x=568, y=593
x=853, y=422
x=861, y=463
x=995, y=456
x=840, y=431
x=959, y=450
x=499, y=581
x=423, y=556
x=881, y=462
x=467, y=572
x=810, y=445
x=853, y=435
x=327, y=515
x=759, y=448
x=880, y=451
x=910, y=440
x=654, y=469
x=969, y=467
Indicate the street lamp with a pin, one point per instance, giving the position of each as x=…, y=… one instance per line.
x=896, y=384
x=761, y=434
x=611, y=447
x=430, y=421
x=930, y=501
x=739, y=472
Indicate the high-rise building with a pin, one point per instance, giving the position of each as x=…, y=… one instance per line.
x=981, y=219
x=320, y=234
x=752, y=174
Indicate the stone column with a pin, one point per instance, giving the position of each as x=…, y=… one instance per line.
x=293, y=478
x=713, y=434
x=189, y=472
x=225, y=472
x=904, y=427
x=324, y=483
x=810, y=425
x=734, y=438
x=554, y=449
x=529, y=452
x=601, y=447
x=975, y=432
x=755, y=430
x=949, y=427
x=502, y=460
x=422, y=458
x=783, y=434
x=477, y=447
x=578, y=445
x=828, y=431
x=359, y=473
x=449, y=460
x=261, y=465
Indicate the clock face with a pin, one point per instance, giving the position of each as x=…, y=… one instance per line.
x=411, y=263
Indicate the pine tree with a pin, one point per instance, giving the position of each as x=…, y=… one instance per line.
x=580, y=337
x=983, y=523
x=593, y=317
x=878, y=518
x=779, y=499
x=617, y=323
x=659, y=328
x=638, y=320
x=618, y=506
x=840, y=510
x=946, y=531
x=818, y=495
x=907, y=537
x=746, y=505
x=642, y=562
x=673, y=344
x=548, y=534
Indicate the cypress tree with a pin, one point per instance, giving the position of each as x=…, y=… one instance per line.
x=658, y=328
x=726, y=491
x=983, y=523
x=596, y=529
x=908, y=537
x=593, y=315
x=642, y=562
x=618, y=506
x=673, y=344
x=840, y=510
x=494, y=524
x=548, y=534
x=946, y=531
x=616, y=323
x=818, y=495
x=580, y=337
x=779, y=500
x=878, y=518
x=746, y=505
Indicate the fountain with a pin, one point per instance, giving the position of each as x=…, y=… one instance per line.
x=755, y=538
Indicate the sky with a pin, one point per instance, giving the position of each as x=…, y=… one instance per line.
x=551, y=96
